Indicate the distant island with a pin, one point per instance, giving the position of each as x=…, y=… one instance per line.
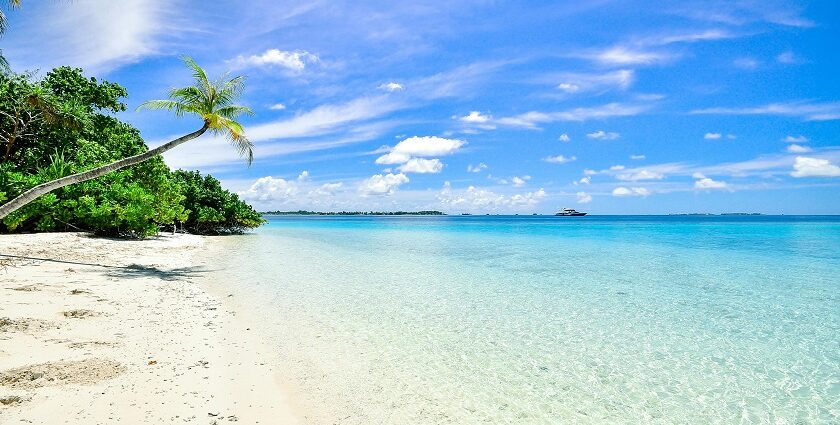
x=304, y=212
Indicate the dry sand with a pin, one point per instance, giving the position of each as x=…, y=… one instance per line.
x=99, y=331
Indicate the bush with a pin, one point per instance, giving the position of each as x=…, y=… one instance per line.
x=211, y=209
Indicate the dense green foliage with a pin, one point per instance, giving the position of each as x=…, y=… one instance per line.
x=63, y=124
x=213, y=210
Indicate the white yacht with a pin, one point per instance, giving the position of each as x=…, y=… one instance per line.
x=570, y=212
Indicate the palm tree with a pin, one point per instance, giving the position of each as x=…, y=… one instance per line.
x=4, y=65
x=210, y=100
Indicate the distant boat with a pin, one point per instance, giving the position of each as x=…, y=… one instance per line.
x=570, y=212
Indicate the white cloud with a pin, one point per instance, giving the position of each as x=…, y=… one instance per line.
x=391, y=87
x=476, y=168
x=382, y=184
x=583, y=198
x=292, y=60
x=794, y=148
x=303, y=175
x=519, y=181
x=619, y=55
x=475, y=198
x=814, y=167
x=277, y=107
x=269, y=188
x=585, y=180
x=564, y=138
x=602, y=135
x=428, y=146
x=617, y=168
x=569, y=87
x=589, y=172
x=421, y=166
x=49, y=34
x=531, y=119
x=393, y=158
x=475, y=117
x=642, y=174
x=712, y=136
x=324, y=119
x=328, y=189
x=705, y=183
x=796, y=139
x=808, y=111
x=637, y=157
x=559, y=159
x=622, y=191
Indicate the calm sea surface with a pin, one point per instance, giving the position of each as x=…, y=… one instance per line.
x=493, y=319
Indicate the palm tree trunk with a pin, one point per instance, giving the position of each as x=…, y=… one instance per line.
x=44, y=188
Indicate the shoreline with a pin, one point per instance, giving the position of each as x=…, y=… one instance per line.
x=100, y=330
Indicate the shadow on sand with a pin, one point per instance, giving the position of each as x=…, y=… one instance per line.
x=129, y=271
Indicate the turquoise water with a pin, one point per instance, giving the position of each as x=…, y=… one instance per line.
x=480, y=319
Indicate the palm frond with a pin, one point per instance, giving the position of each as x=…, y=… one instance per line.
x=233, y=111
x=199, y=75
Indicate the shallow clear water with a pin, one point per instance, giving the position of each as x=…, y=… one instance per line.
x=550, y=320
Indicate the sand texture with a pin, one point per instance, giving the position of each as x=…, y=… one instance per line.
x=101, y=331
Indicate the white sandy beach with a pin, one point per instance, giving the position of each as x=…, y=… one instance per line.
x=96, y=331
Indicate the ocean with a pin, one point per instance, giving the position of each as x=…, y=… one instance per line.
x=538, y=319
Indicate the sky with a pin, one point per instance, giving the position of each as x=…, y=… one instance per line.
x=482, y=106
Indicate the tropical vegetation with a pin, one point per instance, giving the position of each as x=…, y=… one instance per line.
x=61, y=128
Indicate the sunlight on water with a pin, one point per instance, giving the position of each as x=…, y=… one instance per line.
x=550, y=320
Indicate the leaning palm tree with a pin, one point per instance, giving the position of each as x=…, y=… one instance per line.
x=210, y=100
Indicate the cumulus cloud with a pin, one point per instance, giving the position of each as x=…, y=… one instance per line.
x=270, y=188
x=475, y=198
x=712, y=136
x=584, y=180
x=475, y=117
x=564, y=138
x=603, y=135
x=391, y=87
x=519, y=181
x=559, y=159
x=622, y=191
x=705, y=183
x=425, y=146
x=421, y=166
x=476, y=168
x=393, y=158
x=382, y=184
x=273, y=192
x=291, y=60
x=794, y=148
x=584, y=198
x=814, y=167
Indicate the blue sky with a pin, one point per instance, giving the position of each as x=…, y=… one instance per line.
x=609, y=107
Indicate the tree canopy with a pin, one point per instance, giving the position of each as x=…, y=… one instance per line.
x=64, y=124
